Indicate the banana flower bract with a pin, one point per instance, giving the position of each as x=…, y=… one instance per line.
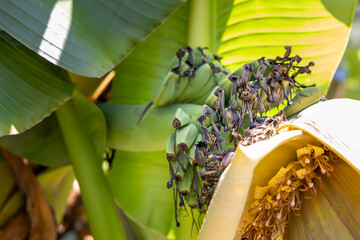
x=334, y=213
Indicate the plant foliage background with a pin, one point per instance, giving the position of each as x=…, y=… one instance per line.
x=46, y=45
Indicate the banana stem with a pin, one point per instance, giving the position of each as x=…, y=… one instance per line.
x=100, y=208
x=201, y=24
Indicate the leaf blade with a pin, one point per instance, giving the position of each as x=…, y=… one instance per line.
x=29, y=93
x=66, y=32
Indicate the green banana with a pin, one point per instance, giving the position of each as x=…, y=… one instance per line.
x=224, y=135
x=215, y=117
x=172, y=86
x=194, y=198
x=307, y=97
x=11, y=207
x=180, y=118
x=7, y=179
x=185, y=184
x=170, y=151
x=219, y=77
x=191, y=200
x=202, y=57
x=177, y=171
x=175, y=61
x=209, y=57
x=212, y=98
x=124, y=133
x=203, y=77
x=198, y=57
x=197, y=184
x=186, y=136
x=227, y=83
x=179, y=167
x=192, y=150
x=198, y=68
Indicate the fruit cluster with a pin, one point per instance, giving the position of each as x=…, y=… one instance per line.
x=201, y=147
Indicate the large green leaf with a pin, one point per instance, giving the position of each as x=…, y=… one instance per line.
x=28, y=92
x=88, y=37
x=138, y=182
x=44, y=143
x=317, y=32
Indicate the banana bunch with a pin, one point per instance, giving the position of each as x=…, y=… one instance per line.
x=193, y=74
x=234, y=110
x=201, y=139
x=187, y=151
x=183, y=155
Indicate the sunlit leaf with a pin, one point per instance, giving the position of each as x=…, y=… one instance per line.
x=317, y=30
x=58, y=71
x=85, y=37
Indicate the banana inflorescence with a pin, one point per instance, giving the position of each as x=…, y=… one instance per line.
x=234, y=111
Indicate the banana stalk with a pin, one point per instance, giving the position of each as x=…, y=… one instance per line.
x=180, y=119
x=186, y=136
x=104, y=222
x=334, y=214
x=185, y=184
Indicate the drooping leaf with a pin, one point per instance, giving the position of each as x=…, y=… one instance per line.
x=56, y=184
x=85, y=37
x=44, y=143
x=28, y=92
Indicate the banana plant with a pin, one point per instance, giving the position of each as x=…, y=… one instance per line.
x=50, y=48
